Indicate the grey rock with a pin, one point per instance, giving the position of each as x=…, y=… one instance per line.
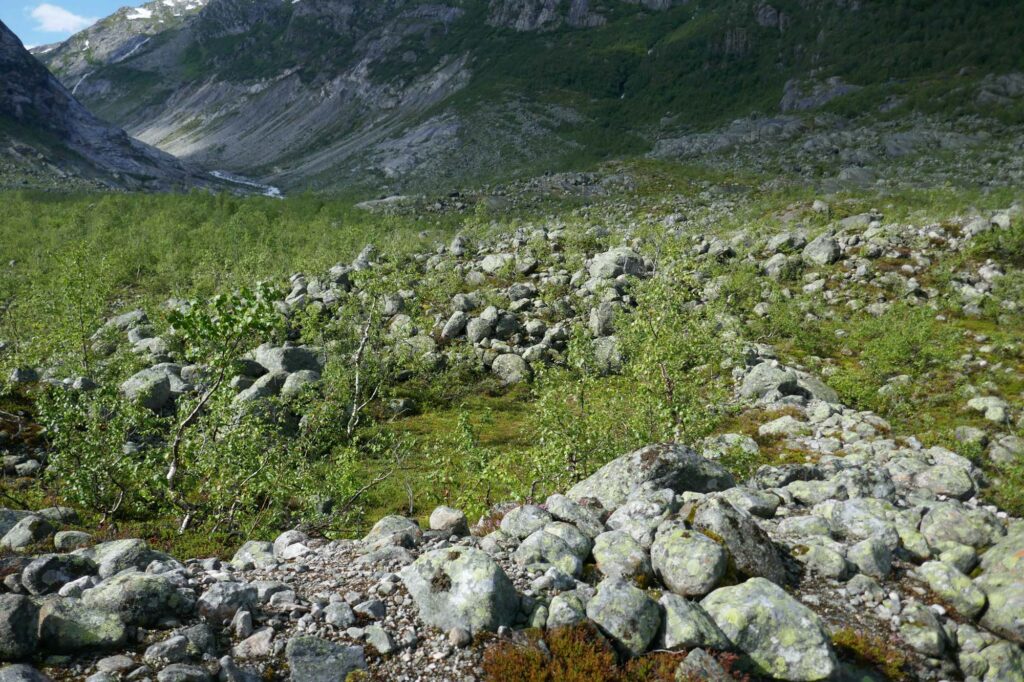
x=151, y=388
x=461, y=587
x=525, y=520
x=542, y=547
x=183, y=672
x=312, y=659
x=922, y=630
x=140, y=598
x=753, y=552
x=687, y=562
x=626, y=614
x=255, y=552
x=222, y=599
x=67, y=540
x=68, y=626
x=615, y=262
x=49, y=572
x=21, y=672
x=783, y=638
x=823, y=250
x=671, y=466
x=953, y=587
x=29, y=530
x=619, y=555
x=448, y=520
x=287, y=359
x=511, y=369
x=685, y=625
x=564, y=509
x=19, y=618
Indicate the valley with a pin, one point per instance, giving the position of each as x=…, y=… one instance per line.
x=518, y=340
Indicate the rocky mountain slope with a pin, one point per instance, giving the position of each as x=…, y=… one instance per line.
x=44, y=129
x=396, y=95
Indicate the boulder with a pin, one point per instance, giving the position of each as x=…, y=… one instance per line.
x=511, y=369
x=49, y=572
x=615, y=262
x=782, y=637
x=543, y=547
x=255, y=552
x=671, y=466
x=753, y=553
x=19, y=618
x=687, y=562
x=461, y=587
x=619, y=555
x=29, y=530
x=823, y=250
x=117, y=555
x=523, y=521
x=222, y=599
x=150, y=387
x=287, y=359
x=953, y=587
x=626, y=614
x=450, y=521
x=69, y=626
x=685, y=625
x=140, y=599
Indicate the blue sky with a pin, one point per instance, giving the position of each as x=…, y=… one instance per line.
x=47, y=21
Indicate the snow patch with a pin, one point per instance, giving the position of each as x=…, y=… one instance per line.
x=141, y=13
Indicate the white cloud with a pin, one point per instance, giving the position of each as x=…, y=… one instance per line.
x=54, y=19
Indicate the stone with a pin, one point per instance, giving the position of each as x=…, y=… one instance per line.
x=18, y=627
x=311, y=659
x=140, y=598
x=287, y=359
x=286, y=540
x=511, y=369
x=782, y=637
x=259, y=643
x=700, y=665
x=615, y=262
x=29, y=530
x=922, y=630
x=586, y=520
x=380, y=639
x=542, y=547
x=150, y=387
x=49, y=572
x=67, y=540
x=21, y=672
x=257, y=553
x=171, y=650
x=69, y=626
x=393, y=531
x=578, y=542
x=626, y=614
x=117, y=555
x=1002, y=579
x=953, y=587
x=619, y=555
x=455, y=325
x=753, y=552
x=461, y=587
x=685, y=625
x=183, y=672
x=524, y=521
x=566, y=610
x=823, y=250
x=871, y=557
x=450, y=521
x=297, y=381
x=223, y=599
x=687, y=562
x=671, y=466
x=339, y=614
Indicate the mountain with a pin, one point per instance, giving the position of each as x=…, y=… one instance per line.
x=46, y=133
x=390, y=95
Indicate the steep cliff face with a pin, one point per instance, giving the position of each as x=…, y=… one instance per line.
x=397, y=94
x=37, y=111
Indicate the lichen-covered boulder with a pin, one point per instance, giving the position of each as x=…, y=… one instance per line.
x=671, y=466
x=311, y=659
x=139, y=598
x=587, y=520
x=524, y=521
x=68, y=626
x=626, y=614
x=1002, y=579
x=542, y=547
x=461, y=587
x=955, y=588
x=117, y=555
x=258, y=553
x=752, y=551
x=685, y=625
x=150, y=387
x=619, y=555
x=783, y=638
x=49, y=572
x=223, y=599
x=18, y=627
x=687, y=562
x=393, y=531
